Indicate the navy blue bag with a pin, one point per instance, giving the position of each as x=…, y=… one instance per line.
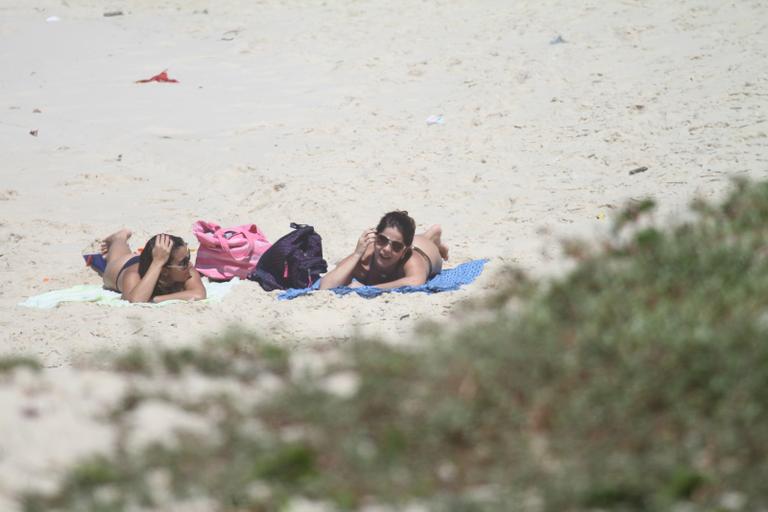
x=294, y=261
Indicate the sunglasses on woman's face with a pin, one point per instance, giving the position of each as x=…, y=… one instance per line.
x=382, y=241
x=183, y=264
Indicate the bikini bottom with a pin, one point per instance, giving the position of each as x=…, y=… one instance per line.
x=430, y=275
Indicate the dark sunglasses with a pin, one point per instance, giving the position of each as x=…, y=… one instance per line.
x=183, y=264
x=382, y=241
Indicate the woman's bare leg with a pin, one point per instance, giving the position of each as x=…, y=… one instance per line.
x=116, y=251
x=431, y=243
x=429, y=248
x=435, y=234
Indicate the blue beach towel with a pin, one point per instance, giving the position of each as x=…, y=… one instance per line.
x=447, y=280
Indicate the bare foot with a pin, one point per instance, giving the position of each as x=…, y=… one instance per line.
x=434, y=233
x=118, y=236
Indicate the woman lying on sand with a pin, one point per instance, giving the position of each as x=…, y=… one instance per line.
x=163, y=271
x=391, y=256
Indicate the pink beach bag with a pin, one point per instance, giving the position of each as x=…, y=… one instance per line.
x=225, y=253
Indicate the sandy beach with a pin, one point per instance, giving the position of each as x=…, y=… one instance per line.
x=315, y=112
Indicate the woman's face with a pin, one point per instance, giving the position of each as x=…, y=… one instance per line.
x=179, y=265
x=389, y=247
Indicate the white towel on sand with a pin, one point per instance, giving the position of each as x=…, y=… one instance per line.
x=93, y=293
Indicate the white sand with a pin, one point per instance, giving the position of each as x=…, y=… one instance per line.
x=315, y=112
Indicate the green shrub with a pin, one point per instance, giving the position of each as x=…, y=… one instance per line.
x=238, y=354
x=9, y=363
x=635, y=382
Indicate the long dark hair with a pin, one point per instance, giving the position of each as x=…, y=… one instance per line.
x=145, y=260
x=400, y=220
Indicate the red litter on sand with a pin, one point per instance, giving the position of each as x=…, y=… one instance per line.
x=161, y=77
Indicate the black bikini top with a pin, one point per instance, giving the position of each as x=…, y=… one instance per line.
x=374, y=277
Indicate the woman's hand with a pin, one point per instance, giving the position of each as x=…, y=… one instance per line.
x=366, y=239
x=161, y=252
x=342, y=274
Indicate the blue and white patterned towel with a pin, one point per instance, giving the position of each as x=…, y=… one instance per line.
x=448, y=279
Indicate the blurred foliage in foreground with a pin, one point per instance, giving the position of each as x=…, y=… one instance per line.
x=636, y=382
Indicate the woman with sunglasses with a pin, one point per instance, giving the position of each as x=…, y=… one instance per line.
x=391, y=255
x=162, y=272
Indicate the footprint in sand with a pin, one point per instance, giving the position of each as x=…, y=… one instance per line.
x=7, y=195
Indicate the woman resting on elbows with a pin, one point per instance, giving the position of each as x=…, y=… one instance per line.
x=391, y=255
x=162, y=272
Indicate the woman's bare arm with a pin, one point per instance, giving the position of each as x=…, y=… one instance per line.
x=342, y=274
x=193, y=290
x=139, y=289
x=415, y=271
